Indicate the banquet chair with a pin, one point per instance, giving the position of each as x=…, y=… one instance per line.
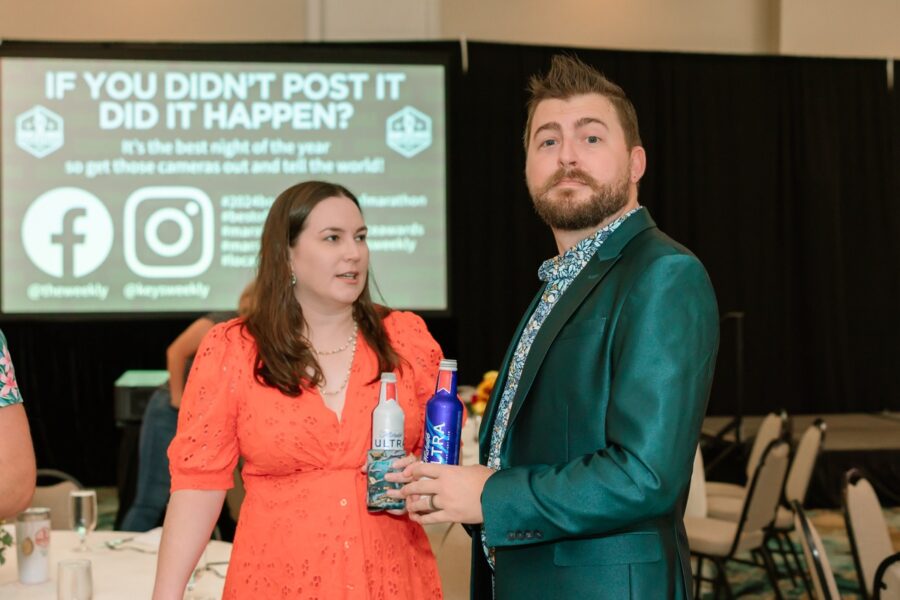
x=870, y=541
x=799, y=475
x=720, y=540
x=819, y=568
x=55, y=495
x=772, y=428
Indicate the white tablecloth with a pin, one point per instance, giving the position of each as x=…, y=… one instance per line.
x=117, y=574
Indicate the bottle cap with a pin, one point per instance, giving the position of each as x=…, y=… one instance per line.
x=389, y=377
x=448, y=364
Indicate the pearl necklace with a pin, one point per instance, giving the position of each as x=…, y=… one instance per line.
x=350, y=340
x=352, y=343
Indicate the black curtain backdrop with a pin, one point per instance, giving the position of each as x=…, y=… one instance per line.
x=780, y=173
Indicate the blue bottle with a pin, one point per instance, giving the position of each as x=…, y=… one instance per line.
x=443, y=419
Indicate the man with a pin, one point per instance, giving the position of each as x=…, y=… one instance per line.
x=589, y=437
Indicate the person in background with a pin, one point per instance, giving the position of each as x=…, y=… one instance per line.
x=291, y=389
x=161, y=418
x=588, y=442
x=17, y=466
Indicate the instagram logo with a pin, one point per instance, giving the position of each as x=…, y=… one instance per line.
x=67, y=232
x=168, y=232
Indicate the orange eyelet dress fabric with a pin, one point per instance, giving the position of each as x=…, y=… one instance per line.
x=304, y=531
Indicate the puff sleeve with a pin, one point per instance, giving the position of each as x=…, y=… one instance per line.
x=205, y=450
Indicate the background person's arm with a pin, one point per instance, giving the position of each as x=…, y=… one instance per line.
x=17, y=468
x=178, y=353
x=190, y=519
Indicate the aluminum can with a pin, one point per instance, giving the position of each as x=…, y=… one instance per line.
x=443, y=419
x=33, y=545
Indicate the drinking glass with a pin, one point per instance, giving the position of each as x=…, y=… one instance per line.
x=74, y=580
x=83, y=515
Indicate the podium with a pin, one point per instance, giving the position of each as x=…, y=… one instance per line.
x=131, y=394
x=132, y=391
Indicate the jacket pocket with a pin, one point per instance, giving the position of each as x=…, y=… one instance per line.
x=625, y=548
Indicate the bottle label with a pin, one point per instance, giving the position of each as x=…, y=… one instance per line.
x=437, y=443
x=388, y=440
x=445, y=381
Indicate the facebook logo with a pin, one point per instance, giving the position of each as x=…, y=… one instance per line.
x=67, y=232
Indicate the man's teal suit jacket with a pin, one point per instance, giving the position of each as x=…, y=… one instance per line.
x=597, y=457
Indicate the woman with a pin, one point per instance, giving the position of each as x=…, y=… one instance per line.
x=291, y=389
x=17, y=470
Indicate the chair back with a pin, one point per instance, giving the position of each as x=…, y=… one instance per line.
x=55, y=496
x=887, y=579
x=867, y=528
x=696, y=501
x=764, y=492
x=814, y=551
x=804, y=462
x=771, y=428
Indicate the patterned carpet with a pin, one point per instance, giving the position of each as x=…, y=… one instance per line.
x=752, y=583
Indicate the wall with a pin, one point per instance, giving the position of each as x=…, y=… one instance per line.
x=799, y=27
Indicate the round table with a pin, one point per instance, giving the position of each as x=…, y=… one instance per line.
x=117, y=574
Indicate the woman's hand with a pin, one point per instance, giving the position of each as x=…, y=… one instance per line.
x=399, y=466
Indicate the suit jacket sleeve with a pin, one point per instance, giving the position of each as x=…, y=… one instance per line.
x=662, y=356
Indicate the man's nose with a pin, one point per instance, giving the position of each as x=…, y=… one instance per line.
x=568, y=157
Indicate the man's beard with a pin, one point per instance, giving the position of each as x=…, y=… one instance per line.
x=566, y=213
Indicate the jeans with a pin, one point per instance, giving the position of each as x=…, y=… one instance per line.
x=153, y=480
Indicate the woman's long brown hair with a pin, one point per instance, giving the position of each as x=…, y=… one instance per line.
x=285, y=359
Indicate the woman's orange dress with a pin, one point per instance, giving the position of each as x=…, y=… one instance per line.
x=304, y=530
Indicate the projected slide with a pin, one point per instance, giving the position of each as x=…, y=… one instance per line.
x=143, y=186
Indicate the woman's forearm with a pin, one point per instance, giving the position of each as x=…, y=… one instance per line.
x=190, y=518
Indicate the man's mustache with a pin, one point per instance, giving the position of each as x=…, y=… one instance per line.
x=574, y=174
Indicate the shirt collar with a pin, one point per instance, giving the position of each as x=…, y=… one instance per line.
x=568, y=264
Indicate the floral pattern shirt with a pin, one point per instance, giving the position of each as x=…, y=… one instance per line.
x=558, y=273
x=9, y=389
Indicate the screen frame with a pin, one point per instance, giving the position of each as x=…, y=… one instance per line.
x=391, y=53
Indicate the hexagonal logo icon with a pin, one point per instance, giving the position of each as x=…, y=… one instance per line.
x=39, y=131
x=408, y=131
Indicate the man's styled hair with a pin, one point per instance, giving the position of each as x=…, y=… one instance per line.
x=569, y=76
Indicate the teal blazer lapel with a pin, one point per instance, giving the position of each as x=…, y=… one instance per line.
x=487, y=420
x=594, y=272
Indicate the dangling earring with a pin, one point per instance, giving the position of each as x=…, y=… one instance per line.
x=293, y=279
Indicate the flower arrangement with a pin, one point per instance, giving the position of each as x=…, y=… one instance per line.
x=479, y=399
x=6, y=541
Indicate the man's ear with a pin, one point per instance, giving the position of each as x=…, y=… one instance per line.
x=637, y=163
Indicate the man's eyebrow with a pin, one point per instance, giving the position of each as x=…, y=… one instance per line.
x=552, y=125
x=588, y=120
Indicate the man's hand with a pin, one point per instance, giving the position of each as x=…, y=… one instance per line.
x=442, y=493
